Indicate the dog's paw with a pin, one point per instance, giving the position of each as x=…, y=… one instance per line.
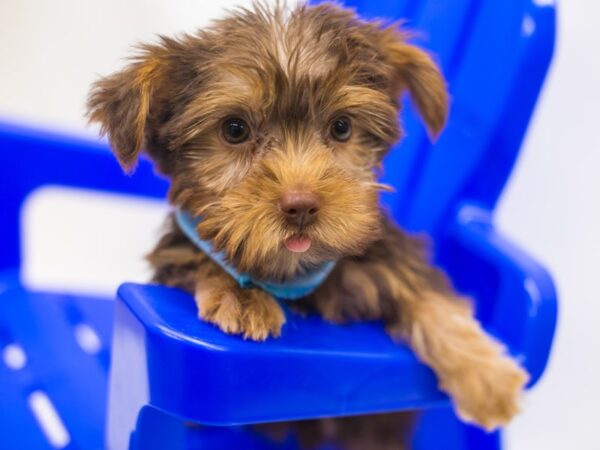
x=488, y=394
x=252, y=313
x=221, y=308
x=262, y=316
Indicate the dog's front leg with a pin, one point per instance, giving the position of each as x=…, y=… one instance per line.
x=393, y=281
x=483, y=382
x=250, y=312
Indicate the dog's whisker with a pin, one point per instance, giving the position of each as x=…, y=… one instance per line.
x=382, y=187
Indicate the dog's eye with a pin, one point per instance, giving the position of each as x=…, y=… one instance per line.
x=236, y=130
x=341, y=129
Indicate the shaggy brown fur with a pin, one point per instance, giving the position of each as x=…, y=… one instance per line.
x=290, y=76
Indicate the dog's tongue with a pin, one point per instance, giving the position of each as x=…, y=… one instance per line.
x=297, y=243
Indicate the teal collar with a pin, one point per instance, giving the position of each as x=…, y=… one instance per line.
x=298, y=287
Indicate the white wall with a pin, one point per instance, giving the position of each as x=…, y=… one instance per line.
x=50, y=52
x=552, y=208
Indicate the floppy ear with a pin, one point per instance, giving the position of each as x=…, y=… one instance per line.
x=120, y=103
x=415, y=71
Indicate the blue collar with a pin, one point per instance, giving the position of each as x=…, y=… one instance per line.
x=298, y=287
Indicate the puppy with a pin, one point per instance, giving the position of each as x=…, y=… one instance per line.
x=271, y=125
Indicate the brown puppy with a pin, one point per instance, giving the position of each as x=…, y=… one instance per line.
x=271, y=125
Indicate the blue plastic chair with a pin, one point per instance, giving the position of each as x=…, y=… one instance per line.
x=169, y=370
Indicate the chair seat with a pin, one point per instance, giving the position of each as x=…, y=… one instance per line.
x=55, y=347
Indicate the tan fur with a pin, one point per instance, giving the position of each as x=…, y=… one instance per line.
x=289, y=74
x=250, y=312
x=483, y=382
x=393, y=281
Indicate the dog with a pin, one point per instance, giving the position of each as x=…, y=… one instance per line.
x=271, y=125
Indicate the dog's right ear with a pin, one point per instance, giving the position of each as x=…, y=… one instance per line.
x=120, y=103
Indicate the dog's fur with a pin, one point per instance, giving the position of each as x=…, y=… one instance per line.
x=289, y=74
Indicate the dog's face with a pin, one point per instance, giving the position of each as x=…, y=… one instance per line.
x=271, y=124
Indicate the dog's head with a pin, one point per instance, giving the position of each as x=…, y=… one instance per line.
x=271, y=125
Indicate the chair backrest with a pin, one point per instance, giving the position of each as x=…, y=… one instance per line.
x=495, y=55
x=31, y=159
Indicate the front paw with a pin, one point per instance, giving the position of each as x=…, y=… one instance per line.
x=488, y=392
x=251, y=312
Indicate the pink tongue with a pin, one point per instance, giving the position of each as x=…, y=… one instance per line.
x=297, y=244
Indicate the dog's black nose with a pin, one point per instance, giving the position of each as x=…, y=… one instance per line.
x=299, y=207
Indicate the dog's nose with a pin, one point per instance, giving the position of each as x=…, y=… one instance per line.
x=299, y=207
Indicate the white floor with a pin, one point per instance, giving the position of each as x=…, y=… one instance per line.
x=51, y=51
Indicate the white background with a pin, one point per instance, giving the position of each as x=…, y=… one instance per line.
x=50, y=52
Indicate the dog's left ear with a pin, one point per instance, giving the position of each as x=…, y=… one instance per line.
x=415, y=71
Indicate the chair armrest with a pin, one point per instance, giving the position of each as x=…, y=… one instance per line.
x=514, y=295
x=30, y=159
x=165, y=358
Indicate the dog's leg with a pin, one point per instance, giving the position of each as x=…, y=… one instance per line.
x=249, y=312
x=473, y=368
x=394, y=282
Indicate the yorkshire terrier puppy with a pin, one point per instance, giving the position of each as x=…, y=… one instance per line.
x=271, y=125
